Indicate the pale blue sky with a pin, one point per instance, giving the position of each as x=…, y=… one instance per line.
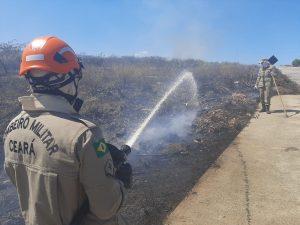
x=225, y=30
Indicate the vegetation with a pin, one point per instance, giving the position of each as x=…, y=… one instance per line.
x=296, y=62
x=10, y=57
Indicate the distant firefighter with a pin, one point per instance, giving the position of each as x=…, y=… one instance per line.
x=264, y=83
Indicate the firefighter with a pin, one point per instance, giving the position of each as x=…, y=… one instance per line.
x=56, y=159
x=264, y=83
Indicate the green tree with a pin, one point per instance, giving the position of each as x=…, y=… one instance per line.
x=296, y=62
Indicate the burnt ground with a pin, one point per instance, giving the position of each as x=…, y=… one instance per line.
x=164, y=170
x=163, y=177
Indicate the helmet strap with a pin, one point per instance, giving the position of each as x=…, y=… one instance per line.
x=76, y=102
x=40, y=85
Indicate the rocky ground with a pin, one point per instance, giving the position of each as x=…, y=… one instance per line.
x=165, y=169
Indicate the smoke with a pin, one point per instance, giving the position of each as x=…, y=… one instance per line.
x=173, y=124
x=172, y=103
x=181, y=30
x=167, y=130
x=197, y=43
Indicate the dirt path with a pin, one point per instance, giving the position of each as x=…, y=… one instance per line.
x=256, y=181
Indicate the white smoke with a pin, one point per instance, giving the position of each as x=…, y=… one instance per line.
x=181, y=30
x=185, y=76
x=176, y=126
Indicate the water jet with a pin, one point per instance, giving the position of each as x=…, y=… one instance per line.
x=185, y=76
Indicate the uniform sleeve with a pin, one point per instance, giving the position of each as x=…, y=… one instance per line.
x=104, y=192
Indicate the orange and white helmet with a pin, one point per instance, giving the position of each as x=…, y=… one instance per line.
x=49, y=54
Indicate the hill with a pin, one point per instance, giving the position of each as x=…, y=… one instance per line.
x=119, y=93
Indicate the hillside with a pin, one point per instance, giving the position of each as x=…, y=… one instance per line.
x=120, y=92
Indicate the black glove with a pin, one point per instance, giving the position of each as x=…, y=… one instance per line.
x=124, y=173
x=119, y=156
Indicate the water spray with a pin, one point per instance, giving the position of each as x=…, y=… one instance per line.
x=184, y=76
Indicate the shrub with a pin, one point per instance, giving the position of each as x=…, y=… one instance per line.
x=10, y=57
x=296, y=62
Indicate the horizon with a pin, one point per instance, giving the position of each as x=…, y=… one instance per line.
x=224, y=31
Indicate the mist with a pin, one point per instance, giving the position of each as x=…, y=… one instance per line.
x=168, y=129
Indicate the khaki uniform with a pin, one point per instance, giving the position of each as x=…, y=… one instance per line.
x=56, y=160
x=265, y=83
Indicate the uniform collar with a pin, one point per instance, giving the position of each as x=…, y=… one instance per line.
x=44, y=102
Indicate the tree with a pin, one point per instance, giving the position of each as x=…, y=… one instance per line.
x=10, y=57
x=296, y=62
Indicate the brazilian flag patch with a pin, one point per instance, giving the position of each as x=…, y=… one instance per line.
x=101, y=148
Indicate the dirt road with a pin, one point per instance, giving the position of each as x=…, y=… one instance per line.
x=256, y=181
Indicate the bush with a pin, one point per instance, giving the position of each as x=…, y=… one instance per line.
x=296, y=62
x=10, y=57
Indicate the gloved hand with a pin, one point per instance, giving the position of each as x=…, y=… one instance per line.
x=124, y=173
x=118, y=156
x=255, y=87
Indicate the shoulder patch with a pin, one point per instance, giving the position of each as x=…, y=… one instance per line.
x=101, y=148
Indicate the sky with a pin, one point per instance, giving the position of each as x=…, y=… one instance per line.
x=212, y=30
